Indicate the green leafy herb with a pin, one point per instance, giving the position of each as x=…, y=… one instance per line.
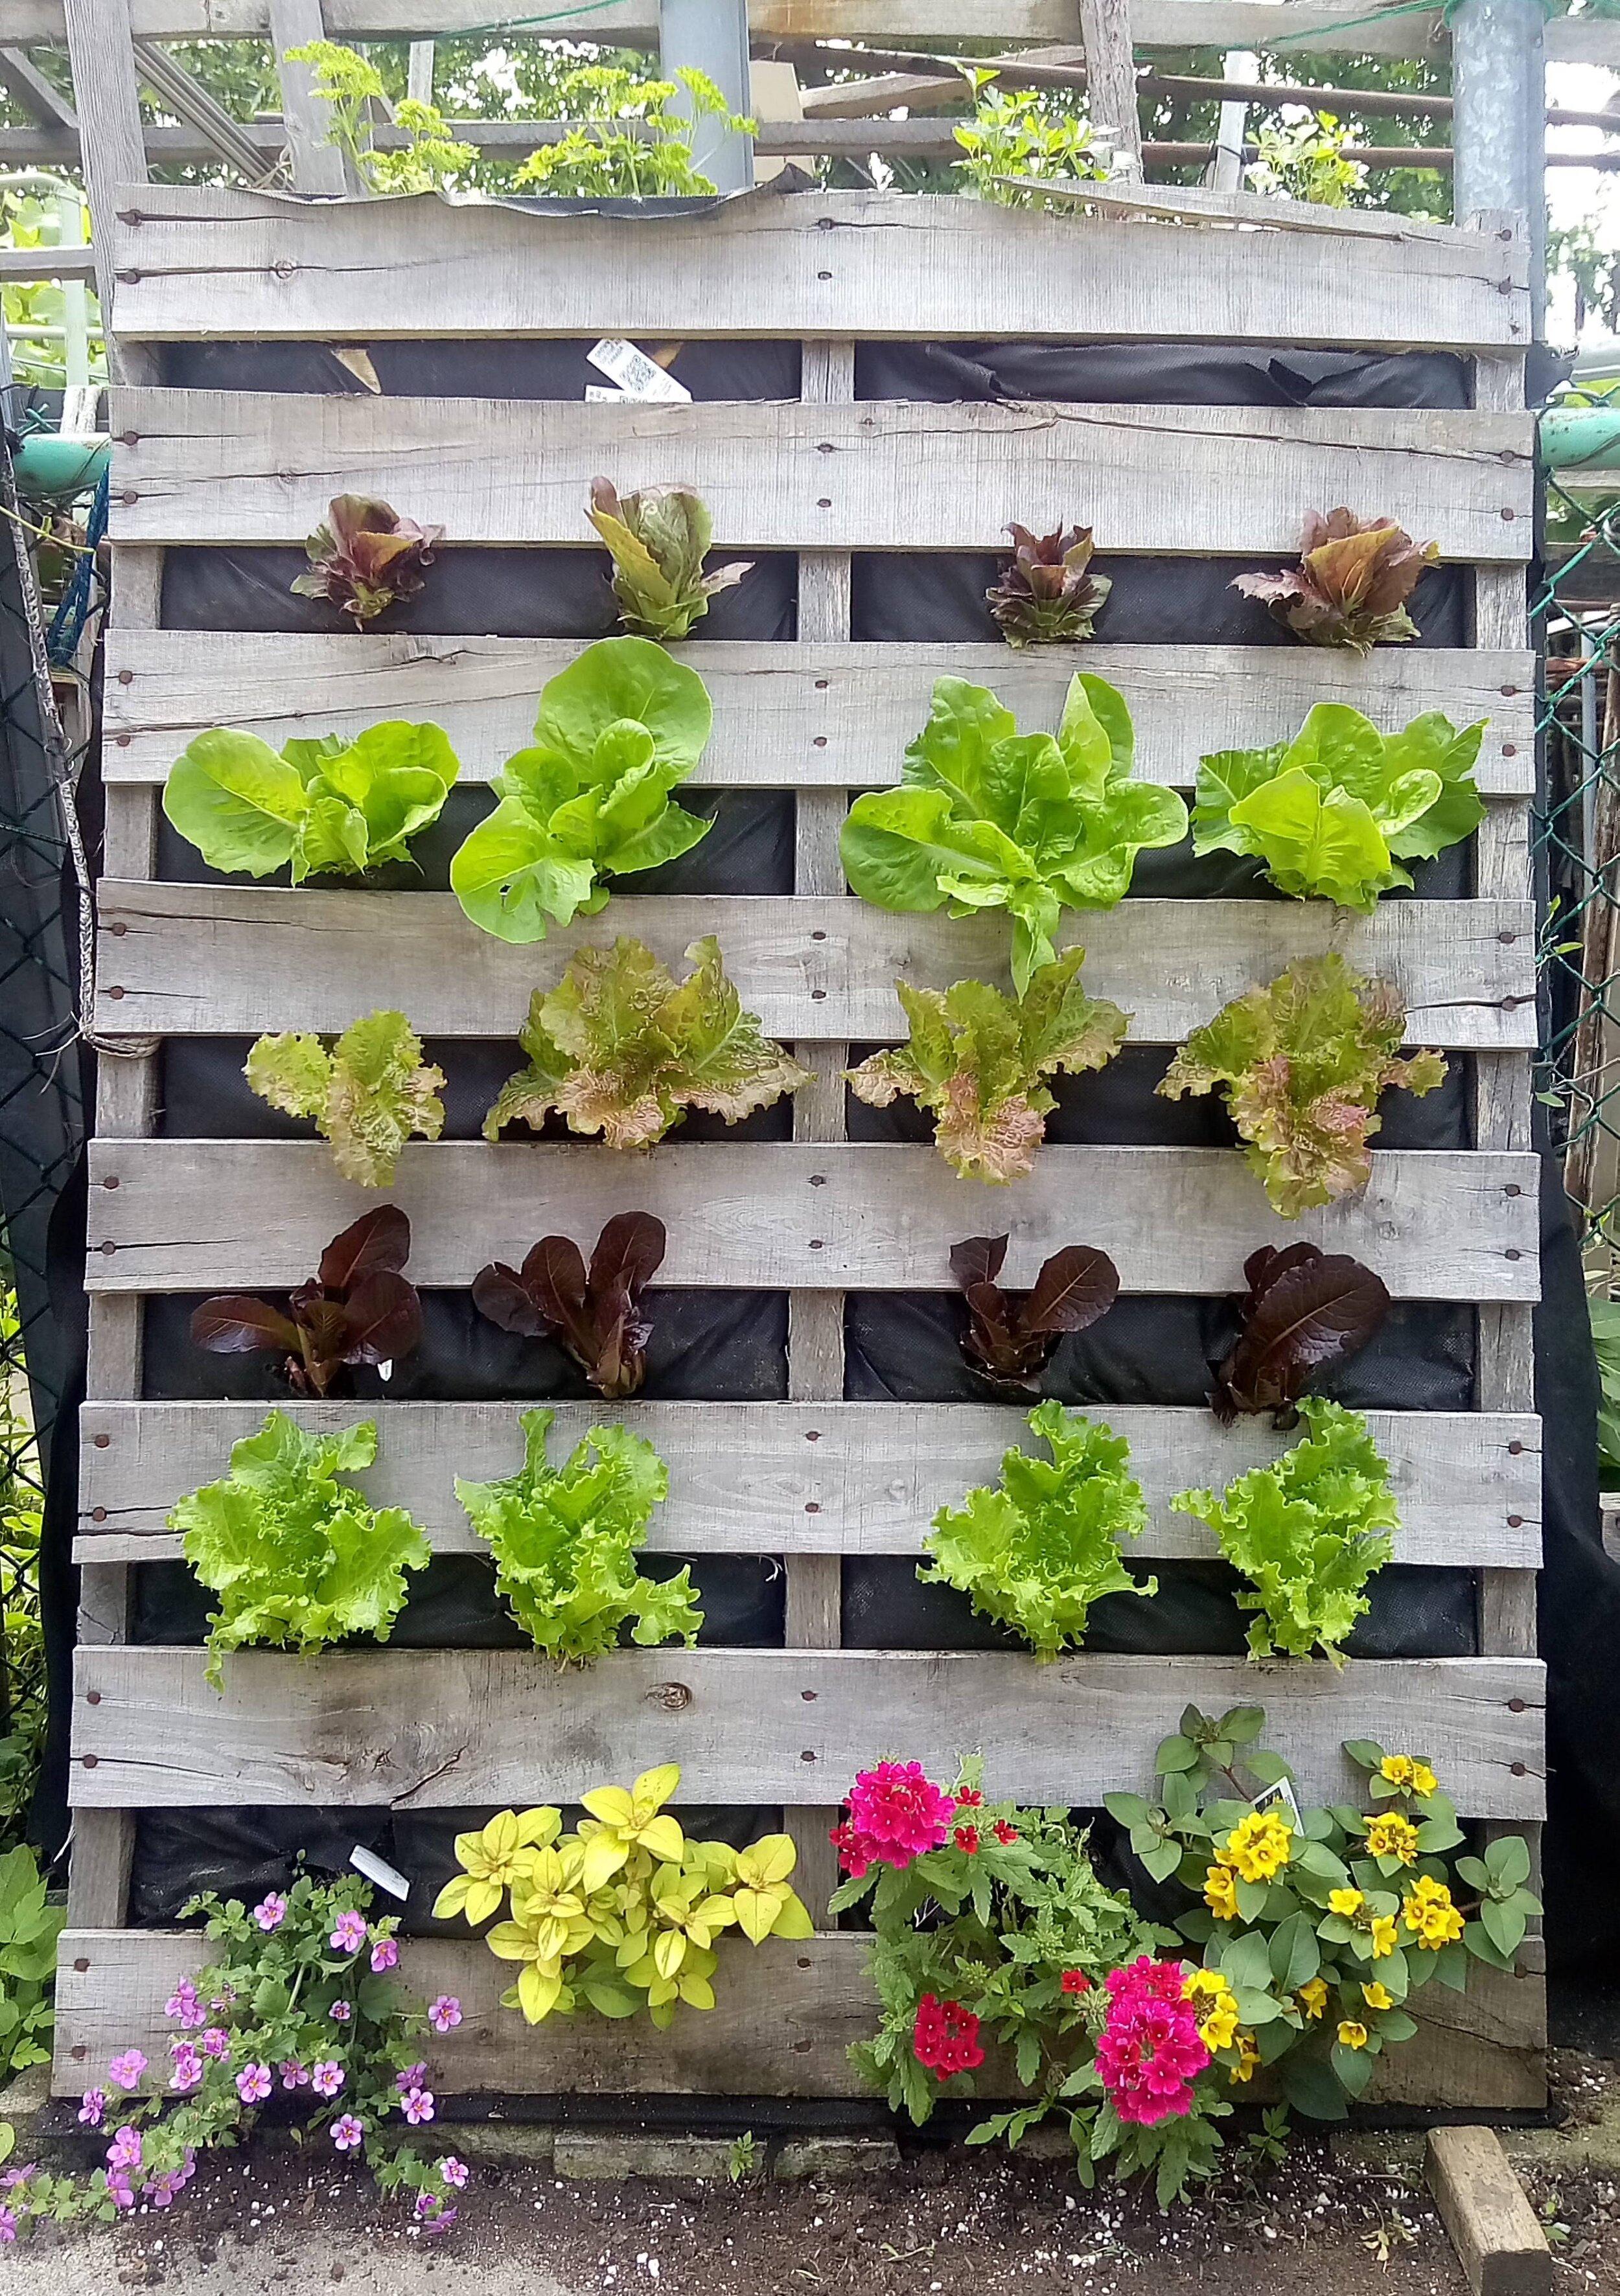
x=658, y=540
x=619, y=1049
x=1037, y=1553
x=565, y=1541
x=29, y=1927
x=1338, y=810
x=1352, y=583
x=1027, y=133
x=430, y=159
x=367, y=1093
x=618, y=729
x=977, y=1061
x=1046, y=593
x=628, y=142
x=297, y=1558
x=329, y=807
x=1307, y=1533
x=1304, y=1063
x=989, y=818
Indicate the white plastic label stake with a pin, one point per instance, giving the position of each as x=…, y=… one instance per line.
x=378, y=1869
x=636, y=375
x=1277, y=1796
x=603, y=394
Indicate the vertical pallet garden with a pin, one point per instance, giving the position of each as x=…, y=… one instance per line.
x=811, y=1478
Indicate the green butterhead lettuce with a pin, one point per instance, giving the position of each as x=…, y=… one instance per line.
x=298, y=1559
x=1335, y=812
x=565, y=1541
x=1037, y=1552
x=368, y=1093
x=988, y=819
x=327, y=807
x=1307, y=1533
x=618, y=730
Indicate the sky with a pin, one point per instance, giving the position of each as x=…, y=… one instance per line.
x=1577, y=194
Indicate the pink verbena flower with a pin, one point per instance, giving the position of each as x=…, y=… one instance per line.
x=1150, y=2052
x=125, y=2150
x=384, y=1955
x=216, y=2043
x=327, y=2078
x=347, y=2131
x=444, y=2013
x=184, y=2005
x=417, y=2105
x=348, y=1934
x=93, y=2112
x=127, y=2068
x=454, y=2171
x=340, y=2012
x=895, y=1814
x=270, y=1912
x=293, y=2075
x=188, y=2067
x=410, y=2076
x=253, y=2083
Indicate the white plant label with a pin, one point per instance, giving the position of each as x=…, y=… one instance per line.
x=378, y=1869
x=637, y=375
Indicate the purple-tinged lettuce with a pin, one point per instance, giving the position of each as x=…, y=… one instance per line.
x=364, y=556
x=658, y=540
x=367, y=1093
x=358, y=1309
x=1046, y=593
x=1304, y=1311
x=594, y=1313
x=1011, y=1335
x=1351, y=585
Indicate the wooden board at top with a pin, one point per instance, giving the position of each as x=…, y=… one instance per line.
x=230, y=960
x=250, y=467
x=455, y=1729
x=811, y=1478
x=208, y=1215
x=794, y=716
x=208, y=263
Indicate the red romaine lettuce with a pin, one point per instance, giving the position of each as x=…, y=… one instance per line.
x=358, y=1309
x=1304, y=1311
x=593, y=1315
x=1012, y=1335
x=365, y=555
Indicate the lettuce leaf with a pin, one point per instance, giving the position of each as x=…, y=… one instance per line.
x=1035, y=1554
x=986, y=817
x=1304, y=1063
x=564, y=1542
x=1307, y=1533
x=1335, y=812
x=298, y=1559
x=658, y=540
x=618, y=729
x=1304, y=1311
x=326, y=807
x=620, y=1048
x=976, y=1060
x=367, y=1093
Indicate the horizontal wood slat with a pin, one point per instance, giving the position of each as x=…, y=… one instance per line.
x=203, y=262
x=794, y=716
x=453, y=1730
x=180, y=1216
x=180, y=960
x=810, y=1478
x=249, y=467
x=783, y=2023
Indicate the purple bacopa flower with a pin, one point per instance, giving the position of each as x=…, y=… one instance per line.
x=432, y=2214
x=120, y=2190
x=188, y=2068
x=216, y=2043
x=349, y=1934
x=253, y=2083
x=410, y=2076
x=125, y=2150
x=347, y=2131
x=8, y=2224
x=384, y=1955
x=454, y=2171
x=340, y=2012
x=417, y=2105
x=327, y=2078
x=293, y=2075
x=270, y=1912
x=184, y=2005
x=93, y=2112
x=444, y=2013
x=126, y=2069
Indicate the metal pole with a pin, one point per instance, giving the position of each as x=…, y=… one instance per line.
x=1499, y=134
x=711, y=36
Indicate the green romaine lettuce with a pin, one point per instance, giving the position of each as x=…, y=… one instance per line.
x=618, y=729
x=1335, y=812
x=326, y=807
x=565, y=1541
x=368, y=1093
x=298, y=1559
x=989, y=818
x=1035, y=1554
x=1307, y=1533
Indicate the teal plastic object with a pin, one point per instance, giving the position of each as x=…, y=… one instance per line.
x=1581, y=437
x=49, y=464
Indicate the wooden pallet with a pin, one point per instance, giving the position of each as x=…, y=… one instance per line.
x=813, y=1478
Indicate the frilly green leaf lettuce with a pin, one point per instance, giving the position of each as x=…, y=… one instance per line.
x=1036, y=1552
x=986, y=817
x=977, y=1061
x=297, y=1559
x=1304, y=1063
x=565, y=1541
x=1307, y=1533
x=368, y=1093
x=620, y=1048
x=327, y=807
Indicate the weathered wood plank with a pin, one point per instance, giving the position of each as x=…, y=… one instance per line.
x=249, y=467
x=182, y=1216
x=213, y=263
x=794, y=716
x=212, y=960
x=809, y=1478
x=782, y=2026
x=445, y=1729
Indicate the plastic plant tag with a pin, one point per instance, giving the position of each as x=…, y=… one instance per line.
x=378, y=1869
x=636, y=375
x=1279, y=1796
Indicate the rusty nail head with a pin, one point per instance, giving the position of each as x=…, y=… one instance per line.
x=78, y=2053
x=117, y=995
x=81, y=1964
x=110, y=1181
x=1515, y=1706
x=124, y=741
x=812, y=1507
x=1509, y=749
x=819, y=741
x=98, y=1514
x=1517, y=1769
x=813, y=1434
x=1511, y=1254
x=1508, y=691
x=90, y=1761
x=126, y=677
x=1514, y=1521
x=824, y=501
x=1513, y=1189
x=93, y=1697
x=809, y=1696
x=803, y=1964
x=1507, y=517
x=1514, y=1450
x=1507, y=939
x=818, y=935
x=102, y=1441
x=807, y=1756
x=118, y=931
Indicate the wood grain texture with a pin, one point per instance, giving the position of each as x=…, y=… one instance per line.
x=784, y=2021
x=246, y=467
x=317, y=166
x=212, y=960
x=448, y=1729
x=1498, y=2236
x=794, y=716
x=213, y=262
x=191, y=1215
x=810, y=1478
x=102, y=53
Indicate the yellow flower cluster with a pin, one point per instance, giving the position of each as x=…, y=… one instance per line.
x=1430, y=1915
x=1215, y=2005
x=1390, y=1836
x=1220, y=1892
x=1248, y=2056
x=1312, y=1997
x=1258, y=1847
x=1405, y=1770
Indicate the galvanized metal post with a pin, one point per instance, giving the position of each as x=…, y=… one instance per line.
x=1498, y=64
x=711, y=36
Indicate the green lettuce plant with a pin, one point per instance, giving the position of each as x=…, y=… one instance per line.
x=1304, y=1063
x=1037, y=1552
x=29, y=1927
x=565, y=1541
x=328, y=808
x=1307, y=1533
x=618, y=729
x=298, y=1559
x=658, y=540
x=1336, y=812
x=988, y=819
x=620, y=1048
x=367, y=1093
x=977, y=1061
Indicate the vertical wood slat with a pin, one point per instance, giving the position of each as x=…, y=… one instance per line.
x=815, y=1325
x=1104, y=32
x=106, y=88
x=316, y=165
